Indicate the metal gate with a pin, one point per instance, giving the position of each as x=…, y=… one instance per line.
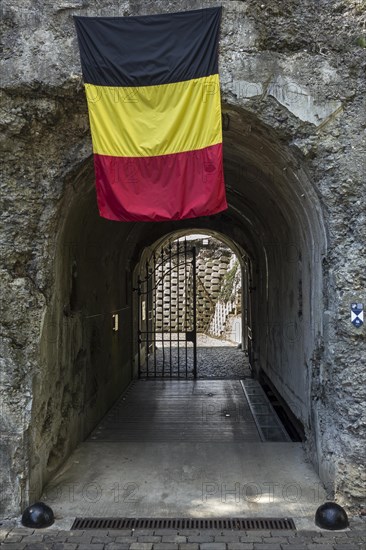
x=167, y=335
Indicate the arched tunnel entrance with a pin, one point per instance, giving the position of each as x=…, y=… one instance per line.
x=193, y=296
x=274, y=222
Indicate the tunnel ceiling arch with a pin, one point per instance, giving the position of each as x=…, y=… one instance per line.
x=271, y=205
x=269, y=195
x=200, y=233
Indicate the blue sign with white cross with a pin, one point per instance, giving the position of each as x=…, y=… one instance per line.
x=357, y=315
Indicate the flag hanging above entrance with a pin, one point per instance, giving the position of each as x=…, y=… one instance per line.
x=153, y=94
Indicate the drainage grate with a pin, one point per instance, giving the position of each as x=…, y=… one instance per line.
x=245, y=524
x=268, y=424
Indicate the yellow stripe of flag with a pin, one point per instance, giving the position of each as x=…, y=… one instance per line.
x=155, y=120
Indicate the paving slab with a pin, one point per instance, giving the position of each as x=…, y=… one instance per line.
x=294, y=540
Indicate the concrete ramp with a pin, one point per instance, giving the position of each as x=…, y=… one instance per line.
x=183, y=449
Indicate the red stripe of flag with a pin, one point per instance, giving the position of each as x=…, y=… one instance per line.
x=173, y=187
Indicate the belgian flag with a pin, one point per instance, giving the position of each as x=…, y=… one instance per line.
x=153, y=94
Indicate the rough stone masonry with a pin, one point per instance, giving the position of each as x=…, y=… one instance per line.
x=294, y=69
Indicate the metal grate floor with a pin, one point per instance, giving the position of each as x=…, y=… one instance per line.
x=268, y=423
x=179, y=410
x=242, y=524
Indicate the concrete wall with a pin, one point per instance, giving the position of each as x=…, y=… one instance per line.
x=84, y=365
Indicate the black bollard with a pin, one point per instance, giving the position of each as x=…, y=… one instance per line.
x=38, y=516
x=331, y=516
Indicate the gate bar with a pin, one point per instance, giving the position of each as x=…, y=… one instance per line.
x=170, y=308
x=154, y=292
x=163, y=308
x=177, y=303
x=194, y=314
x=147, y=318
x=139, y=325
x=186, y=302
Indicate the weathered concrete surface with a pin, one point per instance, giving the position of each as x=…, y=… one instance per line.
x=202, y=479
x=167, y=449
x=293, y=82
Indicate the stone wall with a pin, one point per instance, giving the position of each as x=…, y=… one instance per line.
x=210, y=274
x=293, y=87
x=173, y=297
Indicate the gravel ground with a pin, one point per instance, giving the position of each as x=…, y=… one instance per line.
x=215, y=359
